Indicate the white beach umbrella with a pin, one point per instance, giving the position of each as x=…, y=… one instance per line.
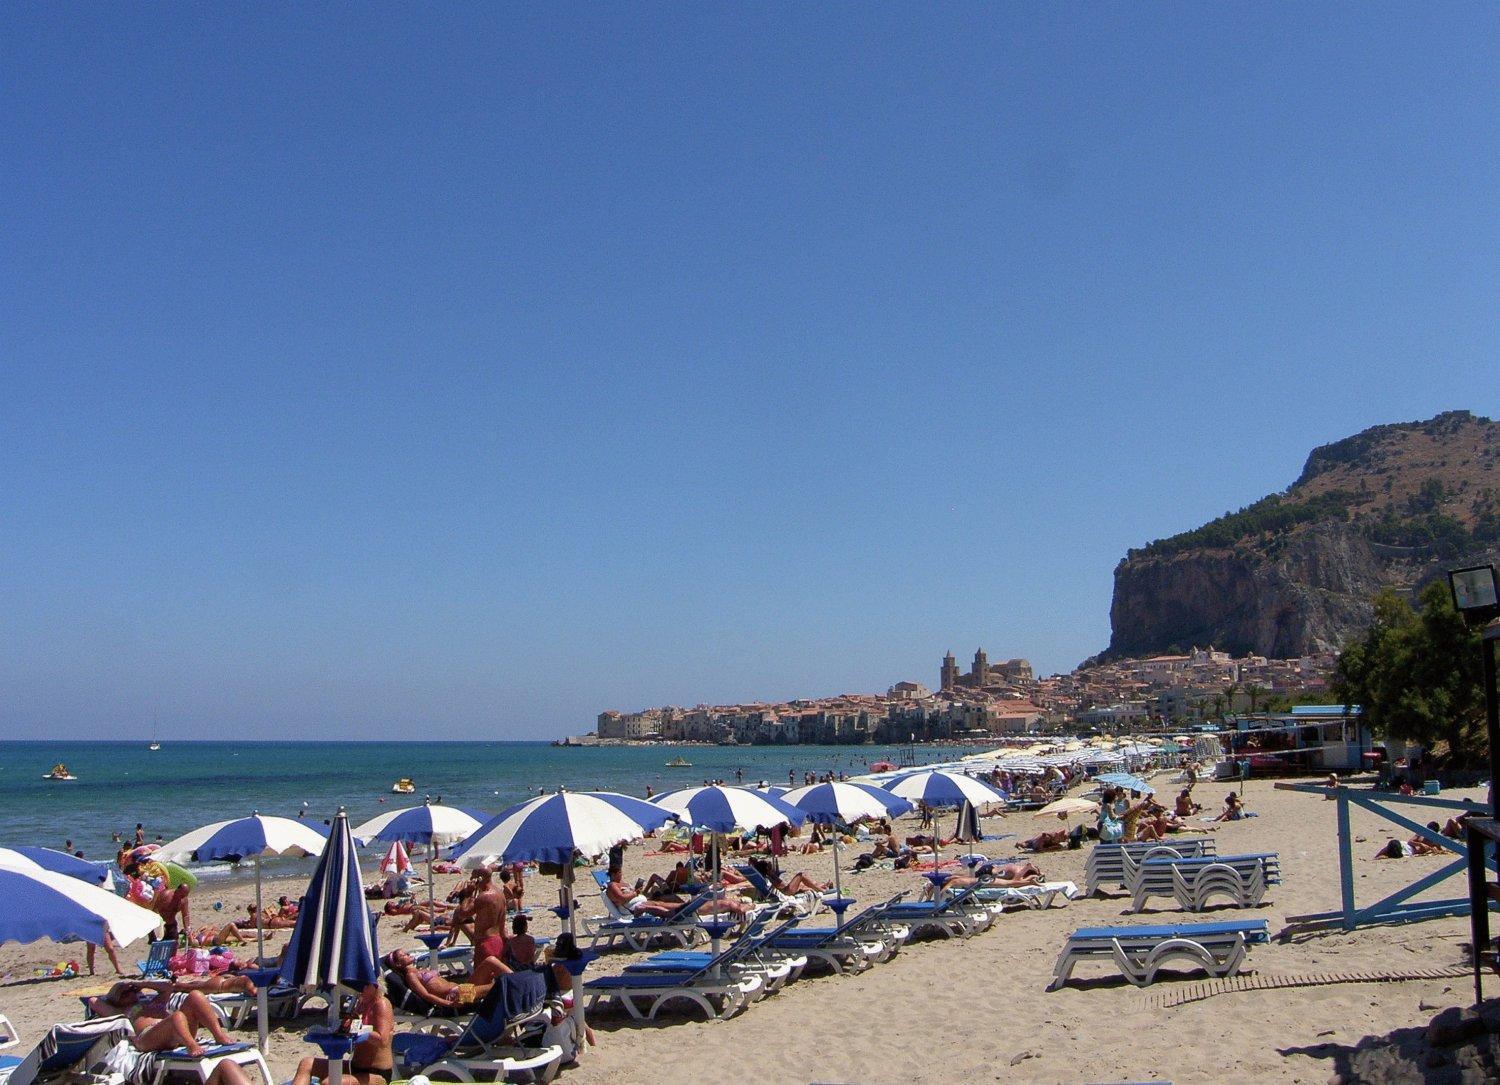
x=247, y=838
x=938, y=788
x=846, y=802
x=41, y=903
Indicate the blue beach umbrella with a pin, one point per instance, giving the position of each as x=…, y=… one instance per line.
x=555, y=828
x=60, y=862
x=44, y=904
x=846, y=802
x=720, y=808
x=334, y=939
x=425, y=824
x=938, y=788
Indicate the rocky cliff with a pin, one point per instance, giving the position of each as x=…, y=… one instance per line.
x=1295, y=572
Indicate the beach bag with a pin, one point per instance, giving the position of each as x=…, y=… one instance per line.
x=1110, y=830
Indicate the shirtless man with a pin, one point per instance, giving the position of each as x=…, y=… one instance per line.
x=370, y=1063
x=481, y=913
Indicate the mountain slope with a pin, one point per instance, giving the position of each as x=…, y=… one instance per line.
x=1294, y=572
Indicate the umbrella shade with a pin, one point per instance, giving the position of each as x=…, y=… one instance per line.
x=60, y=862
x=245, y=838
x=773, y=790
x=938, y=788
x=1127, y=781
x=1068, y=806
x=334, y=940
x=845, y=802
x=720, y=809
x=425, y=824
x=44, y=904
x=554, y=828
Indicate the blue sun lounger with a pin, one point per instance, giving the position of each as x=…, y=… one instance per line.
x=1107, y=864
x=719, y=994
x=638, y=931
x=1138, y=952
x=852, y=946
x=955, y=916
x=750, y=954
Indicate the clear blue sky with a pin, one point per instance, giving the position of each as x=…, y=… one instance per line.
x=370, y=371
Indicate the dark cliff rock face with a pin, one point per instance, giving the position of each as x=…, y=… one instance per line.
x=1296, y=572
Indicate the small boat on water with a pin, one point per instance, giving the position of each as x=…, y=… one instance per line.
x=59, y=772
x=679, y=762
x=403, y=786
x=154, y=746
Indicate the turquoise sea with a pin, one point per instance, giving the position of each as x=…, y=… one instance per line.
x=187, y=784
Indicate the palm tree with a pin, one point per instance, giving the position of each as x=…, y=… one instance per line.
x=1255, y=693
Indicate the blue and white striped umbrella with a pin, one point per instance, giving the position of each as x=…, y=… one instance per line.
x=44, y=904
x=425, y=824
x=937, y=788
x=555, y=828
x=334, y=940
x=721, y=808
x=843, y=801
x=60, y=862
x=244, y=838
x=1127, y=781
x=840, y=801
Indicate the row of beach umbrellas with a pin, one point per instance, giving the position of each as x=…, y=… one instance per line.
x=333, y=941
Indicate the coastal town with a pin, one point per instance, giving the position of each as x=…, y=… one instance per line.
x=994, y=699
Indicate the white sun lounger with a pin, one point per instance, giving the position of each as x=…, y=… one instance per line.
x=1001, y=898
x=1243, y=879
x=1138, y=952
x=720, y=997
x=1107, y=863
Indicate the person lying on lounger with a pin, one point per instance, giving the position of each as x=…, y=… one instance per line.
x=159, y=1010
x=1053, y=841
x=430, y=985
x=797, y=883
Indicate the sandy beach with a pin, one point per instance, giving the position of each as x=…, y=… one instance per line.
x=978, y=1008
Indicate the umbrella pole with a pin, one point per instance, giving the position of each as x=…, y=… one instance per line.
x=718, y=897
x=262, y=999
x=432, y=954
x=838, y=885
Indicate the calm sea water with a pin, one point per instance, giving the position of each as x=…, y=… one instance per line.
x=187, y=784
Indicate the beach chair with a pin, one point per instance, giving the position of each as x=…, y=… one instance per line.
x=750, y=954
x=853, y=946
x=411, y=1009
x=1106, y=864
x=1000, y=898
x=1138, y=952
x=720, y=995
x=804, y=905
x=639, y=931
x=64, y=1048
x=157, y=958
x=493, y=1044
x=177, y=1065
x=956, y=915
x=1243, y=879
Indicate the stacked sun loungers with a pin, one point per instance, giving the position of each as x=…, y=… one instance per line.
x=1106, y=865
x=1241, y=879
x=1138, y=952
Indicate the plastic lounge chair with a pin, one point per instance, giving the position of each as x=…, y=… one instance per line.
x=1138, y=952
x=999, y=898
x=804, y=904
x=853, y=946
x=638, y=931
x=719, y=996
x=1243, y=879
x=1106, y=864
x=176, y=1064
x=492, y=1044
x=750, y=954
x=64, y=1048
x=954, y=916
x=157, y=958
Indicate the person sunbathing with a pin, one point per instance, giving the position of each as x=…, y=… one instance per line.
x=625, y=897
x=431, y=986
x=158, y=1009
x=1054, y=841
x=1185, y=806
x=797, y=883
x=520, y=947
x=271, y=919
x=678, y=880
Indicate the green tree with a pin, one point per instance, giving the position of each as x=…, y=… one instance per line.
x=1417, y=675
